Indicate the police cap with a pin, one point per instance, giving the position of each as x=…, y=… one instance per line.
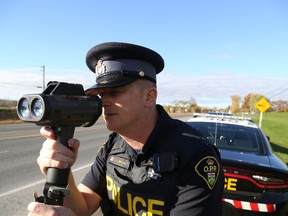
x=117, y=64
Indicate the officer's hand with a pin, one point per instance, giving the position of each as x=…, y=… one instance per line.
x=55, y=154
x=37, y=209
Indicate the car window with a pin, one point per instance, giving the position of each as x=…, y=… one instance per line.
x=228, y=136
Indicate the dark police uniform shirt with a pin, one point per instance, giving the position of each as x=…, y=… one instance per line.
x=176, y=173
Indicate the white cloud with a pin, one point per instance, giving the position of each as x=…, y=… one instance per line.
x=210, y=89
x=16, y=82
x=216, y=89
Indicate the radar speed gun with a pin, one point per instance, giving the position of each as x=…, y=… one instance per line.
x=61, y=106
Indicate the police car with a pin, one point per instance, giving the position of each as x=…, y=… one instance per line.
x=256, y=180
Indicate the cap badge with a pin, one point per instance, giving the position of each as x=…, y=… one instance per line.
x=100, y=68
x=104, y=82
x=141, y=74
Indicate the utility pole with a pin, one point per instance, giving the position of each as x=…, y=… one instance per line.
x=43, y=70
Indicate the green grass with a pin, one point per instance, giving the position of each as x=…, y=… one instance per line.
x=8, y=113
x=275, y=125
x=7, y=108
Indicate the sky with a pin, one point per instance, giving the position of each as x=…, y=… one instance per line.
x=212, y=49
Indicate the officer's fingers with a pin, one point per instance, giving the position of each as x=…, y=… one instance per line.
x=53, y=159
x=36, y=209
x=74, y=144
x=45, y=162
x=54, y=154
x=57, y=152
x=54, y=146
x=47, y=132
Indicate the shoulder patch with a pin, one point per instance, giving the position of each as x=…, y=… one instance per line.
x=208, y=169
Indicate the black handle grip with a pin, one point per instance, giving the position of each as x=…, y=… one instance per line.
x=63, y=134
x=57, y=179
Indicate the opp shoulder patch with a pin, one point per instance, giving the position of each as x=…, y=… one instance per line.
x=208, y=169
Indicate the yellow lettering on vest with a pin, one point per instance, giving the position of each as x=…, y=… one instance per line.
x=135, y=205
x=109, y=183
x=129, y=204
x=114, y=193
x=152, y=211
x=135, y=201
x=119, y=202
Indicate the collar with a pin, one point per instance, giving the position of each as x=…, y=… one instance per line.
x=165, y=125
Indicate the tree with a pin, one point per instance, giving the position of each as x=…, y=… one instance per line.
x=250, y=101
x=235, y=105
x=280, y=105
x=185, y=105
x=247, y=102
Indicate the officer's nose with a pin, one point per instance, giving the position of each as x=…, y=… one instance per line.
x=105, y=100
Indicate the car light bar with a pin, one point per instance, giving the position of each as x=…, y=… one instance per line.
x=222, y=117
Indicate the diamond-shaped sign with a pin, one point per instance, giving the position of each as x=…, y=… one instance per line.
x=263, y=105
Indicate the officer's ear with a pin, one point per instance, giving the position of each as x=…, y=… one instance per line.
x=151, y=96
x=149, y=92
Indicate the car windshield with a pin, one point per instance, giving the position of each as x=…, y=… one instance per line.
x=228, y=136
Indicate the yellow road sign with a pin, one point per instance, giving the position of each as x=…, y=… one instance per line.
x=263, y=105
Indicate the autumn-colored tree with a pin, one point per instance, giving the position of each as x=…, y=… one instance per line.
x=250, y=101
x=185, y=105
x=235, y=105
x=247, y=102
x=280, y=105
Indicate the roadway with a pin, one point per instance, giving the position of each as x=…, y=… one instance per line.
x=20, y=176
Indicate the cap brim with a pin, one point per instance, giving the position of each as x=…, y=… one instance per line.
x=116, y=81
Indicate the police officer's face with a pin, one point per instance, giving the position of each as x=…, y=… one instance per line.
x=125, y=107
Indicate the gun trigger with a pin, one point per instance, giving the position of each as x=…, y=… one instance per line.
x=35, y=195
x=37, y=198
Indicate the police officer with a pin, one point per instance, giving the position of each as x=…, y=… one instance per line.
x=151, y=164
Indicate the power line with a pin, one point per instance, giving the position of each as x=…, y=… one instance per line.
x=279, y=92
x=277, y=89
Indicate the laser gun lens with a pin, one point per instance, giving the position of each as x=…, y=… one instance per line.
x=24, y=108
x=37, y=107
